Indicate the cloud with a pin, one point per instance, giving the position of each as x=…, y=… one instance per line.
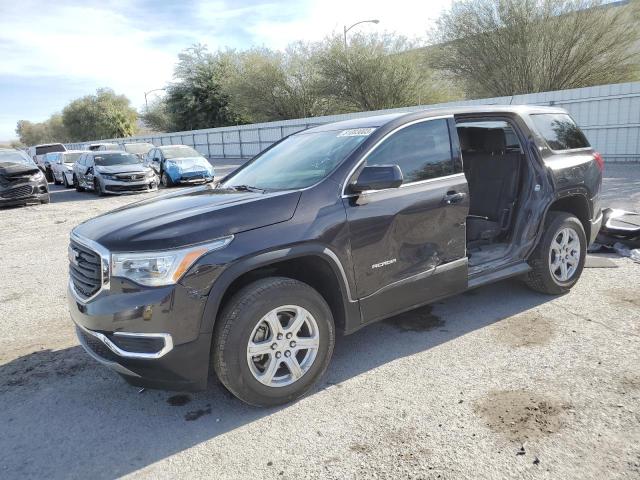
x=131, y=46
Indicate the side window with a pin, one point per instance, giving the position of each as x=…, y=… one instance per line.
x=560, y=131
x=422, y=151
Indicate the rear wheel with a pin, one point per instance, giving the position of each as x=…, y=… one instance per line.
x=273, y=341
x=558, y=260
x=50, y=177
x=65, y=181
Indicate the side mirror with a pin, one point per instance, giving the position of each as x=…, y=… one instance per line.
x=88, y=170
x=377, y=177
x=156, y=159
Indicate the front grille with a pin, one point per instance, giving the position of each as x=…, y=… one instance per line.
x=18, y=192
x=96, y=346
x=127, y=188
x=85, y=269
x=132, y=177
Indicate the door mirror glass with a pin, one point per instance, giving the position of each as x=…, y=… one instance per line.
x=377, y=177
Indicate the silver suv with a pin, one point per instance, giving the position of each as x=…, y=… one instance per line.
x=112, y=172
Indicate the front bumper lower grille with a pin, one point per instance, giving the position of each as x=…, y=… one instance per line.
x=17, y=192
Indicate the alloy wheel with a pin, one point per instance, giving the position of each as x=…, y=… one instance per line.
x=564, y=254
x=283, y=346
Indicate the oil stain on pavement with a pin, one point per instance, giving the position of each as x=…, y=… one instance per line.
x=520, y=415
x=178, y=400
x=196, y=414
x=527, y=329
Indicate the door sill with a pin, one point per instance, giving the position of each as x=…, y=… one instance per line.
x=485, y=278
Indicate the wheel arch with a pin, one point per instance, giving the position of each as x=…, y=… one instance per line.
x=577, y=204
x=316, y=266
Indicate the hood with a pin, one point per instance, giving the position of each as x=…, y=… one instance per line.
x=190, y=216
x=10, y=169
x=191, y=162
x=133, y=168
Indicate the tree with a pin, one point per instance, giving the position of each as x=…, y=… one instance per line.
x=49, y=131
x=266, y=85
x=507, y=47
x=156, y=117
x=100, y=116
x=196, y=100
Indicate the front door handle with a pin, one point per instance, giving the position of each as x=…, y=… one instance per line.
x=454, y=197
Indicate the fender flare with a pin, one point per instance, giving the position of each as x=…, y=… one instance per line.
x=236, y=270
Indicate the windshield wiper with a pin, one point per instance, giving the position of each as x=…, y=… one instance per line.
x=247, y=188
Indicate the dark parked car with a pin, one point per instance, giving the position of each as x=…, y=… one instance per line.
x=21, y=181
x=112, y=172
x=329, y=230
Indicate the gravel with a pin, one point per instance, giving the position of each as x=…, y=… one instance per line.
x=500, y=382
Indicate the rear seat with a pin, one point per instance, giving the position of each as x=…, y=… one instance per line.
x=493, y=175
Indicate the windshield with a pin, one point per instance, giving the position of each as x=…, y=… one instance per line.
x=15, y=156
x=171, y=153
x=138, y=148
x=71, y=157
x=109, y=159
x=300, y=160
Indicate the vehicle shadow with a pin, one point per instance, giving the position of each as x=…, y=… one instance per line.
x=65, y=416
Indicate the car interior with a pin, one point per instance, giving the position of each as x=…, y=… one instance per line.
x=493, y=161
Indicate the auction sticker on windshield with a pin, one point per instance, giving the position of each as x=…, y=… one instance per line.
x=356, y=132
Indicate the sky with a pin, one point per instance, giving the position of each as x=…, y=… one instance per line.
x=52, y=52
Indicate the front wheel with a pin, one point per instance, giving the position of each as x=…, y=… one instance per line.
x=558, y=260
x=76, y=184
x=273, y=341
x=65, y=182
x=166, y=180
x=97, y=188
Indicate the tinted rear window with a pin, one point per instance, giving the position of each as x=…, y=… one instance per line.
x=50, y=148
x=560, y=131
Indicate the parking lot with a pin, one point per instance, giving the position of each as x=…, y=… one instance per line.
x=500, y=382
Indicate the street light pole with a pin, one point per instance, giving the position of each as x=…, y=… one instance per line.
x=146, y=104
x=345, y=29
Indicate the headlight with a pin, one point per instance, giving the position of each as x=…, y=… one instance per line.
x=37, y=176
x=160, y=268
x=106, y=176
x=151, y=174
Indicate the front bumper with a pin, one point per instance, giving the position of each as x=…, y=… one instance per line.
x=19, y=194
x=595, y=228
x=151, y=336
x=119, y=187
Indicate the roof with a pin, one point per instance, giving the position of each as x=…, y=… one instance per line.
x=380, y=120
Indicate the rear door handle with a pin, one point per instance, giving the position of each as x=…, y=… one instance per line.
x=454, y=197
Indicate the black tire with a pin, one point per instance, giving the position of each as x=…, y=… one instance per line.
x=77, y=184
x=65, y=182
x=47, y=199
x=541, y=278
x=48, y=173
x=237, y=322
x=97, y=188
x=166, y=180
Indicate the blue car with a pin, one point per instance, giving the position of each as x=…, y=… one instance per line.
x=177, y=164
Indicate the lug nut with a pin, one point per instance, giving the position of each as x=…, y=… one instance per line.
x=292, y=344
x=279, y=336
x=287, y=354
x=274, y=346
x=289, y=335
x=278, y=354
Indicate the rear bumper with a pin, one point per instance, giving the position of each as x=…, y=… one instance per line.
x=595, y=228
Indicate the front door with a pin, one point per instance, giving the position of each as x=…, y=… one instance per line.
x=408, y=243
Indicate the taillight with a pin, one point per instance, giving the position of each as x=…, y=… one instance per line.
x=599, y=160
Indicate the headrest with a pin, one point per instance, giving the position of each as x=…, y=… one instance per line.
x=494, y=140
x=471, y=138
